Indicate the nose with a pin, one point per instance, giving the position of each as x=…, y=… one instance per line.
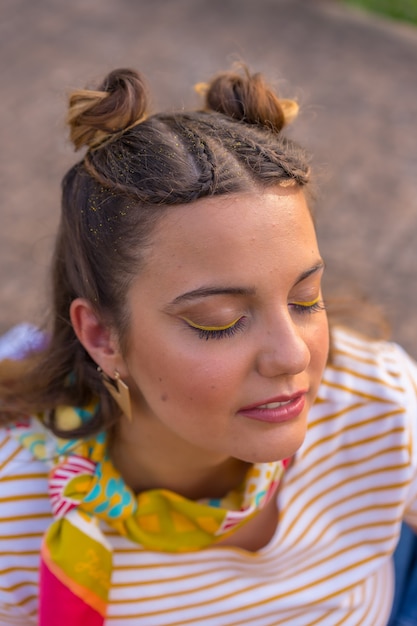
x=284, y=350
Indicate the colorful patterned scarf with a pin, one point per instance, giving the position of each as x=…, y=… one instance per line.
x=85, y=490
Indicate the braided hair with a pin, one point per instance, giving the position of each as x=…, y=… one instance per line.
x=137, y=166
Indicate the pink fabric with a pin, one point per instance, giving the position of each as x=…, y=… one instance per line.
x=58, y=606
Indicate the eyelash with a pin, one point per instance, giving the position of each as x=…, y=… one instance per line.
x=229, y=331
x=308, y=307
x=238, y=325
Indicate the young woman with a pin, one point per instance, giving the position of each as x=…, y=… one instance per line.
x=183, y=450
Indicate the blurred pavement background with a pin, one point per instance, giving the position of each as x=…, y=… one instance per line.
x=355, y=76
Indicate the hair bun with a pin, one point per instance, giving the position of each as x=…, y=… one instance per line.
x=249, y=98
x=118, y=103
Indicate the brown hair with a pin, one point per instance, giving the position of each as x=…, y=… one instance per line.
x=135, y=168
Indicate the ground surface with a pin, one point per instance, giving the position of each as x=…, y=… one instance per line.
x=354, y=76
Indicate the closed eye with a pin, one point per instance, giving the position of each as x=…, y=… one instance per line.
x=216, y=332
x=308, y=307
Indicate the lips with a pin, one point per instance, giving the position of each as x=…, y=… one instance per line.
x=272, y=405
x=276, y=410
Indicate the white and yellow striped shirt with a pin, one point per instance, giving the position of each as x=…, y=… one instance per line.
x=341, y=505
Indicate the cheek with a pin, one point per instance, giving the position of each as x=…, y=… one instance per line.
x=319, y=348
x=207, y=383
x=184, y=376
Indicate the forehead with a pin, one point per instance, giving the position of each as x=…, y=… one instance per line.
x=249, y=241
x=225, y=222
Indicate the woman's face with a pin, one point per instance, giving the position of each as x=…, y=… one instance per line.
x=228, y=336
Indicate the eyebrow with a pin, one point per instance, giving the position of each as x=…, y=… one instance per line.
x=316, y=268
x=204, y=292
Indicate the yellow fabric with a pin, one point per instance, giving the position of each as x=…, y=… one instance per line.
x=85, y=487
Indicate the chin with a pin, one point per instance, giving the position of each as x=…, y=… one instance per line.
x=274, y=442
x=270, y=453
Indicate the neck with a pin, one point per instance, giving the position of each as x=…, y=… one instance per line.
x=147, y=460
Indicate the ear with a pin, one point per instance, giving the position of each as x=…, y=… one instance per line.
x=98, y=339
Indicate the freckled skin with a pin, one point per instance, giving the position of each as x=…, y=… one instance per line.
x=190, y=417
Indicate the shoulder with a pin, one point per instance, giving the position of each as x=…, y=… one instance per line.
x=23, y=484
x=369, y=394
x=378, y=370
x=24, y=516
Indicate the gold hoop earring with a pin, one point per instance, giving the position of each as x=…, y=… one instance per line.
x=119, y=391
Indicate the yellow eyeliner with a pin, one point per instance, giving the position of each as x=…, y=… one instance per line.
x=194, y=325
x=307, y=304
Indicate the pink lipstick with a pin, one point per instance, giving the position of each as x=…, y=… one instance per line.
x=276, y=410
